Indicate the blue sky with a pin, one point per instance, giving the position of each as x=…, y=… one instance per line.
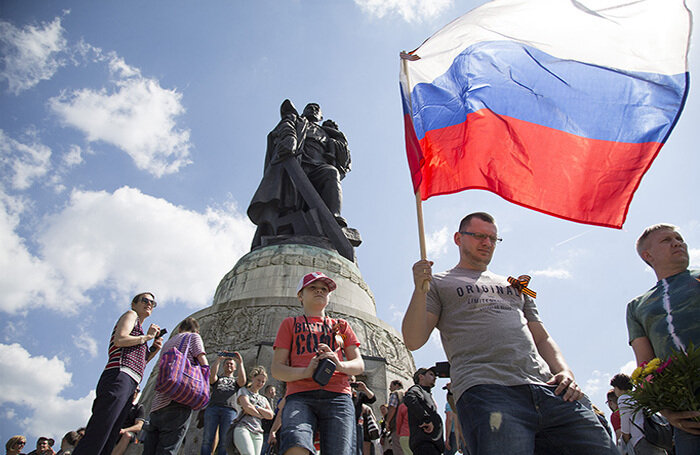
x=132, y=138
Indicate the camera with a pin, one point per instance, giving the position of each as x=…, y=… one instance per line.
x=226, y=354
x=161, y=332
x=354, y=385
x=442, y=369
x=324, y=371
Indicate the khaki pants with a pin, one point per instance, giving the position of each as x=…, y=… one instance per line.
x=396, y=444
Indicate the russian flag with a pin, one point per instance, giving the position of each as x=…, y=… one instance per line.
x=560, y=106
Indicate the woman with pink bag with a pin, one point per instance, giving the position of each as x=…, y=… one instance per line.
x=169, y=420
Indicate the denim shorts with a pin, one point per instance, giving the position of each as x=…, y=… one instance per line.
x=529, y=419
x=332, y=414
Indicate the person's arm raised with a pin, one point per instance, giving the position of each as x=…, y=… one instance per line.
x=418, y=323
x=214, y=370
x=241, y=379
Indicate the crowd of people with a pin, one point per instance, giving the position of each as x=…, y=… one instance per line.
x=510, y=391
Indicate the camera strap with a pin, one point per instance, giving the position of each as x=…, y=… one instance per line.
x=326, y=329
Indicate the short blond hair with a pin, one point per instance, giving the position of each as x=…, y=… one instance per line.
x=13, y=441
x=642, y=240
x=257, y=371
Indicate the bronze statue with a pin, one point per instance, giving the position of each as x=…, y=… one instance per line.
x=304, y=160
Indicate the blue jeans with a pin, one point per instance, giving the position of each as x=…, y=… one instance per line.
x=529, y=419
x=333, y=414
x=166, y=429
x=266, y=445
x=216, y=416
x=359, y=438
x=686, y=443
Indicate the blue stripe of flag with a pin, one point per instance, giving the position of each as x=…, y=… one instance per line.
x=519, y=81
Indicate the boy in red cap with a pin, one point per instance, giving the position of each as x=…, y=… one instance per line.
x=313, y=402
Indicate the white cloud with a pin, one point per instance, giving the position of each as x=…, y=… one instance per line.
x=596, y=387
x=435, y=339
x=30, y=54
x=550, y=272
x=694, y=254
x=598, y=382
x=23, y=163
x=396, y=313
x=87, y=343
x=124, y=242
x=14, y=329
x=25, y=279
x=137, y=116
x=37, y=383
x=73, y=157
x=628, y=368
x=436, y=243
x=119, y=67
x=409, y=10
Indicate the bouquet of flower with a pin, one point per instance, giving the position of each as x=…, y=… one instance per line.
x=673, y=384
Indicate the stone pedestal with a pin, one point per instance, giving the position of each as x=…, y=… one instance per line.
x=260, y=291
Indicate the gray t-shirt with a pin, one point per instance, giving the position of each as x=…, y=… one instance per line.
x=251, y=423
x=483, y=327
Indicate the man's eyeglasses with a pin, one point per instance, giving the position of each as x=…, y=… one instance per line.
x=152, y=302
x=479, y=236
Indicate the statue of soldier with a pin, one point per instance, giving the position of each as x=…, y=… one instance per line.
x=322, y=151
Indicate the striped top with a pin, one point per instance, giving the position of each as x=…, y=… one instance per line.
x=131, y=359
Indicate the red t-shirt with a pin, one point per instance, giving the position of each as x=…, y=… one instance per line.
x=302, y=340
x=402, y=420
x=615, y=420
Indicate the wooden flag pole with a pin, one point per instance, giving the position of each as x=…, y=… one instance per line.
x=405, y=57
x=421, y=236
x=421, y=229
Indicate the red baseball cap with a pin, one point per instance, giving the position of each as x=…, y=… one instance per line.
x=315, y=276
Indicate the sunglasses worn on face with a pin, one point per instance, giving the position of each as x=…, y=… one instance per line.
x=149, y=301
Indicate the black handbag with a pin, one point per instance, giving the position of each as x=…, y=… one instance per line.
x=657, y=431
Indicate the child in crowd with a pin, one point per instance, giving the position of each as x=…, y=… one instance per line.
x=302, y=344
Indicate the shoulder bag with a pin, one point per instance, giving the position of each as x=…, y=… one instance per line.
x=182, y=381
x=657, y=431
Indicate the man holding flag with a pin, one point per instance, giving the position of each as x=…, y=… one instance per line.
x=515, y=393
x=557, y=106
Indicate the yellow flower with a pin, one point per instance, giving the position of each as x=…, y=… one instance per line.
x=635, y=374
x=651, y=366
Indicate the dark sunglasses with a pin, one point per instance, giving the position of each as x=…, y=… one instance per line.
x=151, y=301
